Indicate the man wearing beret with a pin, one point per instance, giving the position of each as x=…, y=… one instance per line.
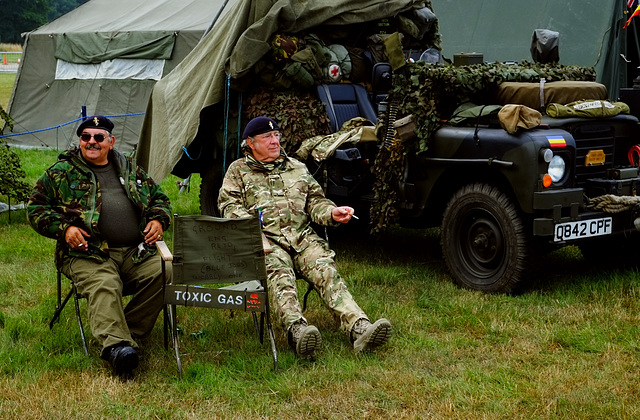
x=106, y=213
x=289, y=199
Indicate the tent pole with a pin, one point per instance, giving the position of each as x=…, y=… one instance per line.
x=215, y=19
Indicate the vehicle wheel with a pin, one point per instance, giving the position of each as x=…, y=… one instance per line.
x=211, y=181
x=483, y=241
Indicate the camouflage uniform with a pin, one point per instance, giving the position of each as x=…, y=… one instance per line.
x=68, y=194
x=289, y=198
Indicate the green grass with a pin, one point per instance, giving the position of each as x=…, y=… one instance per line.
x=568, y=348
x=6, y=85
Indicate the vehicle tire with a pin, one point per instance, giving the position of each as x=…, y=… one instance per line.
x=483, y=239
x=211, y=181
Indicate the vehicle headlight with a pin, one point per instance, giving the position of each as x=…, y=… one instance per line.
x=546, y=155
x=556, y=168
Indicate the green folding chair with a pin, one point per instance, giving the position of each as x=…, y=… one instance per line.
x=218, y=263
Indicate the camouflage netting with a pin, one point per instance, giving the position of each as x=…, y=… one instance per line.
x=431, y=93
x=299, y=114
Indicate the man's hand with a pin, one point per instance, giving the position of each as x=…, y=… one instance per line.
x=342, y=214
x=153, y=232
x=76, y=238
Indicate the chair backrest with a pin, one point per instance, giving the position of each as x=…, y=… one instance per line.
x=345, y=101
x=211, y=250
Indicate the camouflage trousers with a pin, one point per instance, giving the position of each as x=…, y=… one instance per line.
x=316, y=265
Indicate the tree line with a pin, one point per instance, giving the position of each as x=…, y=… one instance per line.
x=19, y=16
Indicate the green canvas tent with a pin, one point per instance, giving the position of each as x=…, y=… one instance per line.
x=105, y=55
x=590, y=32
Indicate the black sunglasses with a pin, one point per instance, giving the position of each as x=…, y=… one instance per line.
x=86, y=137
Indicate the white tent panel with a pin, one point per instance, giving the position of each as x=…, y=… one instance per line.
x=135, y=69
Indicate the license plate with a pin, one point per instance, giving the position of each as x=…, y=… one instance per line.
x=582, y=229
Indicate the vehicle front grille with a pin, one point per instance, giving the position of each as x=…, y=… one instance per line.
x=593, y=137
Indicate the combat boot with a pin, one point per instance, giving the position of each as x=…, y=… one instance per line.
x=304, y=339
x=367, y=336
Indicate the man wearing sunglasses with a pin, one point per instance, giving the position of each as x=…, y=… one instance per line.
x=106, y=214
x=289, y=199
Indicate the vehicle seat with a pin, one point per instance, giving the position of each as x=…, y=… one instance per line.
x=345, y=101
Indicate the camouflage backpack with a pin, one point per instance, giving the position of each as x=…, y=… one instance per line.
x=282, y=48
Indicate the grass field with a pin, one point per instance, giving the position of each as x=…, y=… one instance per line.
x=10, y=47
x=7, y=79
x=6, y=85
x=568, y=348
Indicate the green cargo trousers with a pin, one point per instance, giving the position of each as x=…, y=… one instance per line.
x=316, y=264
x=103, y=284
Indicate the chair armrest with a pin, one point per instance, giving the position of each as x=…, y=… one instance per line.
x=266, y=245
x=163, y=249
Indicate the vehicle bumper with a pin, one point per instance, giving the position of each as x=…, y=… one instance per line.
x=561, y=206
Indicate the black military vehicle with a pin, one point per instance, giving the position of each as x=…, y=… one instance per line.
x=501, y=199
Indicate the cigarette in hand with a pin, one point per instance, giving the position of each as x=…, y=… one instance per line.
x=355, y=217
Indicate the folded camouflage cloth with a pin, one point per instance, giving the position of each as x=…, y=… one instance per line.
x=591, y=108
x=513, y=117
x=323, y=146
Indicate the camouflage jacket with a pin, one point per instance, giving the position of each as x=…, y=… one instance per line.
x=68, y=194
x=287, y=196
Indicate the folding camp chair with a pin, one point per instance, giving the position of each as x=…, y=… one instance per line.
x=209, y=252
x=73, y=291
x=60, y=304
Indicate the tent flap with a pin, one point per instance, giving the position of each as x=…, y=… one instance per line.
x=87, y=48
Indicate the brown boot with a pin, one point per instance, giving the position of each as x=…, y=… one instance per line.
x=304, y=339
x=367, y=336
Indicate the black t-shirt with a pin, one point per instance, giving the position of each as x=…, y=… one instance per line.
x=119, y=222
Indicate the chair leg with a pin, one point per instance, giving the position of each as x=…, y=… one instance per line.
x=59, y=309
x=272, y=339
x=259, y=328
x=266, y=317
x=79, y=318
x=174, y=337
x=165, y=326
x=60, y=306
